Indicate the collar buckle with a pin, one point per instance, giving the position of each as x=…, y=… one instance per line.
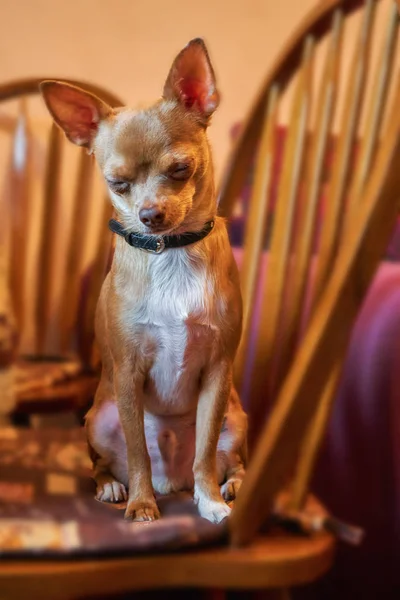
x=160, y=246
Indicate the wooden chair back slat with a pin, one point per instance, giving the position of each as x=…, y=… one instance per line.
x=313, y=439
x=325, y=340
x=303, y=289
x=19, y=186
x=65, y=247
x=384, y=70
x=256, y=226
x=284, y=216
x=316, y=23
x=367, y=155
x=308, y=211
x=99, y=268
x=49, y=236
x=341, y=170
x=72, y=279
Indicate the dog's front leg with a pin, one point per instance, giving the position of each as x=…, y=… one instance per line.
x=129, y=390
x=214, y=394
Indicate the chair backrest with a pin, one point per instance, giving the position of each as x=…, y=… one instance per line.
x=58, y=212
x=313, y=219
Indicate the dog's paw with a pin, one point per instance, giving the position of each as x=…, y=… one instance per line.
x=111, y=491
x=230, y=489
x=213, y=510
x=142, y=511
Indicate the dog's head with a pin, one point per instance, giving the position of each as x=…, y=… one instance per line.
x=156, y=162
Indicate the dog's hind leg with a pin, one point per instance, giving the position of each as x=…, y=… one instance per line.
x=232, y=449
x=233, y=479
x=107, y=448
x=108, y=489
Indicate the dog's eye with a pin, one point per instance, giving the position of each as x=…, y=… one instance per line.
x=180, y=171
x=119, y=187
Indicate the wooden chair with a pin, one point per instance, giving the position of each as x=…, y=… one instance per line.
x=360, y=213
x=320, y=258
x=60, y=246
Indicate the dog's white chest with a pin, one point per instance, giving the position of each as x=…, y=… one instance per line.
x=179, y=357
x=176, y=319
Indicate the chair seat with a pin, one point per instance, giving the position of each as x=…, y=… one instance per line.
x=272, y=561
x=51, y=528
x=43, y=386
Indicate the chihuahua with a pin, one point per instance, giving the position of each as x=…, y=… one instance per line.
x=166, y=416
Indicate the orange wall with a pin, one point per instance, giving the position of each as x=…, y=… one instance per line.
x=128, y=45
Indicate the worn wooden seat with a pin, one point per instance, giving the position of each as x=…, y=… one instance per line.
x=272, y=562
x=58, y=259
x=292, y=363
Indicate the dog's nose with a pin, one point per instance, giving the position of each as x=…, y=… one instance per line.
x=151, y=216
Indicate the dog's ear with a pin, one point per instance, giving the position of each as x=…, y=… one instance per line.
x=191, y=80
x=76, y=111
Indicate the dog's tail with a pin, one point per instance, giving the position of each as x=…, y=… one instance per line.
x=167, y=442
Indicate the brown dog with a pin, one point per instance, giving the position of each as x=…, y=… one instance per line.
x=168, y=323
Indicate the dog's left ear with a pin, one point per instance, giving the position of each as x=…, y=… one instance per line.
x=76, y=111
x=191, y=81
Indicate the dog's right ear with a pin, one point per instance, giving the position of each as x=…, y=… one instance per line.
x=191, y=81
x=76, y=111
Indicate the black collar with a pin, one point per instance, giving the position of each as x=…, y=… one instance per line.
x=158, y=243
